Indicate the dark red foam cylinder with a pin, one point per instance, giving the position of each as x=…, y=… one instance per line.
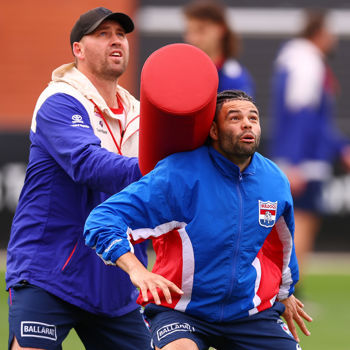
x=178, y=97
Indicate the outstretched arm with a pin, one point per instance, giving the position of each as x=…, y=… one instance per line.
x=295, y=312
x=144, y=209
x=146, y=280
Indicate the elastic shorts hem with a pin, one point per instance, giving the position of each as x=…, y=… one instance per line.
x=168, y=325
x=262, y=331
x=39, y=319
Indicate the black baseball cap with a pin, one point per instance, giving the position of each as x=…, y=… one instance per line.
x=90, y=20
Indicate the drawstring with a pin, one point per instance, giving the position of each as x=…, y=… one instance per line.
x=109, y=129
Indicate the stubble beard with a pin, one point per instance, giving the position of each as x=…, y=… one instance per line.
x=109, y=73
x=236, y=149
x=106, y=70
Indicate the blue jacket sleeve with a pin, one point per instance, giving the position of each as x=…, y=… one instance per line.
x=290, y=272
x=146, y=207
x=63, y=129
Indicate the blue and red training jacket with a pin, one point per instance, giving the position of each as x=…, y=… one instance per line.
x=223, y=236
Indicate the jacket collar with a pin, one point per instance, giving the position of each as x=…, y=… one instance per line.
x=69, y=74
x=229, y=169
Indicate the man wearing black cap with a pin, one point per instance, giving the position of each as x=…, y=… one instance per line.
x=84, y=142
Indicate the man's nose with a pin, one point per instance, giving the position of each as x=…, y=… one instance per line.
x=246, y=123
x=116, y=39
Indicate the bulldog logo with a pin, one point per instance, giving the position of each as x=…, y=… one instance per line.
x=267, y=213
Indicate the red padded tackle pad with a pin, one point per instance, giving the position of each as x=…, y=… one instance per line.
x=178, y=97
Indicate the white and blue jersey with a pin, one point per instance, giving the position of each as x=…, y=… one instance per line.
x=224, y=237
x=73, y=166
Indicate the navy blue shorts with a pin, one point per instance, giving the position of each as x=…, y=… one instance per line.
x=41, y=320
x=262, y=331
x=311, y=198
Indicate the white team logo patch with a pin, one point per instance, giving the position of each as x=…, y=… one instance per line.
x=77, y=120
x=38, y=330
x=173, y=327
x=267, y=213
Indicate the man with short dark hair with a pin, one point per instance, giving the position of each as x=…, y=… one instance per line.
x=221, y=221
x=84, y=143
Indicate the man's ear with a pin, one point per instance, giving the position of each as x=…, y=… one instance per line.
x=214, y=131
x=78, y=50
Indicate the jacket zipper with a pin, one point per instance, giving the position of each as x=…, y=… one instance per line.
x=236, y=250
x=109, y=129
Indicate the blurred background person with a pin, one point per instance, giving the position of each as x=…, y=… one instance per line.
x=305, y=142
x=207, y=28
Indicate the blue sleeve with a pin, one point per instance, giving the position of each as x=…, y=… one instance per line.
x=63, y=129
x=290, y=269
x=293, y=263
x=144, y=209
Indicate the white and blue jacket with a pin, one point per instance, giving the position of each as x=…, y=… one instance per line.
x=73, y=167
x=224, y=237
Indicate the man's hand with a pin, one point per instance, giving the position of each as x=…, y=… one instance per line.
x=145, y=280
x=294, y=312
x=296, y=179
x=148, y=281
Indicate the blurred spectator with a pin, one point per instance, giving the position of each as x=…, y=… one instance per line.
x=207, y=28
x=305, y=142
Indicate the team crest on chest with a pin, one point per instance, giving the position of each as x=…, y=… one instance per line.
x=267, y=213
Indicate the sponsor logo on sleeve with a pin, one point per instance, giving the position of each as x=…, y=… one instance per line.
x=112, y=244
x=77, y=120
x=38, y=330
x=267, y=213
x=172, y=328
